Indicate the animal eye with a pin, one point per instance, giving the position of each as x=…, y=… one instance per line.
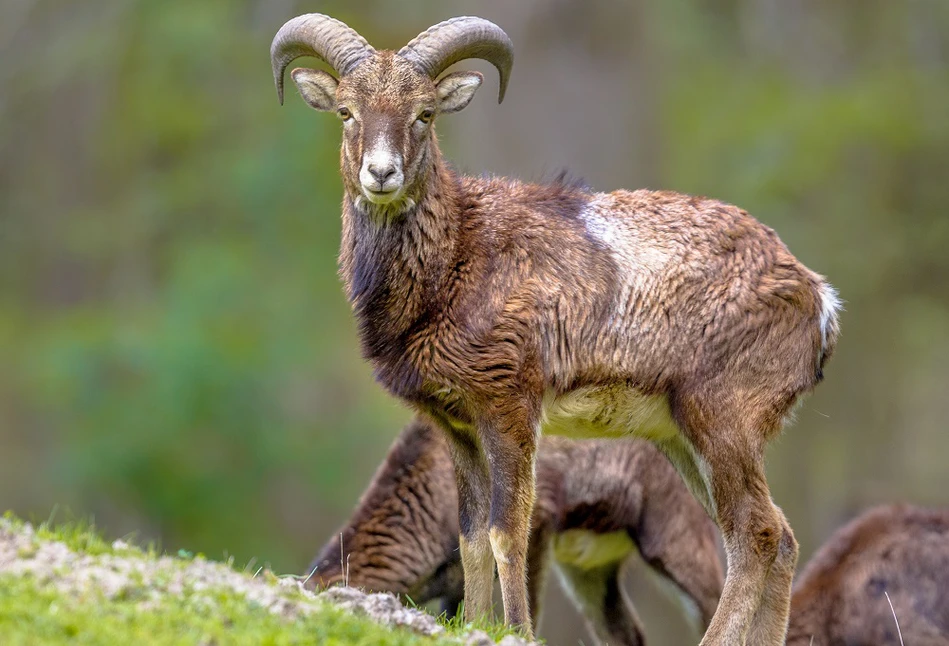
x=344, y=114
x=426, y=116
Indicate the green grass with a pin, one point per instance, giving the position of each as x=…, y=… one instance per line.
x=30, y=614
x=35, y=612
x=494, y=628
x=79, y=536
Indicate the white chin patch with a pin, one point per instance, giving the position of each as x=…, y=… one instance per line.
x=381, y=198
x=393, y=206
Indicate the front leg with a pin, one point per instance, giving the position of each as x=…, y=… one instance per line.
x=474, y=487
x=538, y=565
x=509, y=438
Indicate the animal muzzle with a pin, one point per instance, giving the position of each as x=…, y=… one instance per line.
x=381, y=175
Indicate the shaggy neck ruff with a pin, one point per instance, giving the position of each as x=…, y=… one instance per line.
x=396, y=263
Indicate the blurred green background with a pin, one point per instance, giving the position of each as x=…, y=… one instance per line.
x=176, y=355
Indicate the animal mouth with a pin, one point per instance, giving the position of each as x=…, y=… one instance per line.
x=381, y=195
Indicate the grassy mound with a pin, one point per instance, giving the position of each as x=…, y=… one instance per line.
x=67, y=585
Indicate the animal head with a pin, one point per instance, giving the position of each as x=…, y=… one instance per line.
x=403, y=535
x=388, y=101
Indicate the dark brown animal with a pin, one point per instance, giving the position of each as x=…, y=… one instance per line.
x=503, y=309
x=598, y=503
x=840, y=598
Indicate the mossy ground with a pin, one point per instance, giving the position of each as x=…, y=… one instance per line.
x=40, y=609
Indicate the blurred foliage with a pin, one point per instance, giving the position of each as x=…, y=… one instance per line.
x=179, y=348
x=177, y=356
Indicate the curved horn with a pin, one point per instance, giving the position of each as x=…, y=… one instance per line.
x=314, y=34
x=456, y=39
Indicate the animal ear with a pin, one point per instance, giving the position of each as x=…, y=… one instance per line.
x=318, y=88
x=456, y=90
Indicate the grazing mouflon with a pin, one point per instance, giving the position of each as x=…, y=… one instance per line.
x=898, y=551
x=598, y=503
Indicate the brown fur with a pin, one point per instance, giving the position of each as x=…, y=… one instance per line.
x=900, y=550
x=479, y=301
x=403, y=535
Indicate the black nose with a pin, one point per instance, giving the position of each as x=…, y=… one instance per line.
x=381, y=174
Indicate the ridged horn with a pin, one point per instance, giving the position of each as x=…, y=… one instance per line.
x=456, y=39
x=314, y=34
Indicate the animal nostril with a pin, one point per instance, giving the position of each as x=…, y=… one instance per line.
x=381, y=174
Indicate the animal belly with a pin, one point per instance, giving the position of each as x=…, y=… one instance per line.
x=587, y=550
x=609, y=411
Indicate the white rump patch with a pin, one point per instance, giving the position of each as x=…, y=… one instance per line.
x=830, y=306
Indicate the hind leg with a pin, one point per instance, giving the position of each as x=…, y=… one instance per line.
x=598, y=595
x=752, y=530
x=726, y=434
x=767, y=627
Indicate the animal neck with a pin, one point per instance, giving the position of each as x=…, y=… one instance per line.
x=394, y=264
x=399, y=505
